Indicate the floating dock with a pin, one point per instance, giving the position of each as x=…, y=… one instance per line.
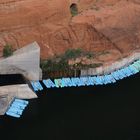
x=16, y=108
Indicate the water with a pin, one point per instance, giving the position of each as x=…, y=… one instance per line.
x=110, y=112
x=11, y=79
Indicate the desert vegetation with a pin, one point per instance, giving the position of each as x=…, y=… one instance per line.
x=60, y=66
x=74, y=10
x=8, y=50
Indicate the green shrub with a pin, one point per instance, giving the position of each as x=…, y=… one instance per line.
x=72, y=53
x=74, y=10
x=51, y=65
x=60, y=63
x=74, y=13
x=89, y=55
x=7, y=51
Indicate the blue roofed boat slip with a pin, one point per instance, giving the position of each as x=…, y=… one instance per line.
x=16, y=108
x=92, y=80
x=36, y=86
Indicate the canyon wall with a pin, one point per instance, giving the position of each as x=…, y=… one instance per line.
x=47, y=21
x=26, y=21
x=50, y=23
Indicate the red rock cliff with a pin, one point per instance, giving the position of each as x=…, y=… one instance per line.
x=49, y=22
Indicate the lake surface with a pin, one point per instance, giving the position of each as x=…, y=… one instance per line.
x=11, y=79
x=110, y=112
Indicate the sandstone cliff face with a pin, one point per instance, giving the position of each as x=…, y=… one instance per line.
x=111, y=25
x=79, y=36
x=118, y=21
x=24, y=21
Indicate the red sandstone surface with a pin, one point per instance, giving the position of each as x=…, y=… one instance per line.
x=101, y=25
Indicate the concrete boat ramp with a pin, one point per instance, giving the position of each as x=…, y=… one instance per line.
x=8, y=93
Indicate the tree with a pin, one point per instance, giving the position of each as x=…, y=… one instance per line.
x=74, y=9
x=72, y=53
x=8, y=50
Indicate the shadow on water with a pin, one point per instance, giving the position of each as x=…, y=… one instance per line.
x=11, y=79
x=108, y=112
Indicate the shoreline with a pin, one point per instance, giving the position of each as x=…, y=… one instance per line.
x=110, y=67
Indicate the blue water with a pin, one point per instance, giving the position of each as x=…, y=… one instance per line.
x=110, y=112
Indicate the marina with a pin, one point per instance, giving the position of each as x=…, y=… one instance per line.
x=89, y=80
